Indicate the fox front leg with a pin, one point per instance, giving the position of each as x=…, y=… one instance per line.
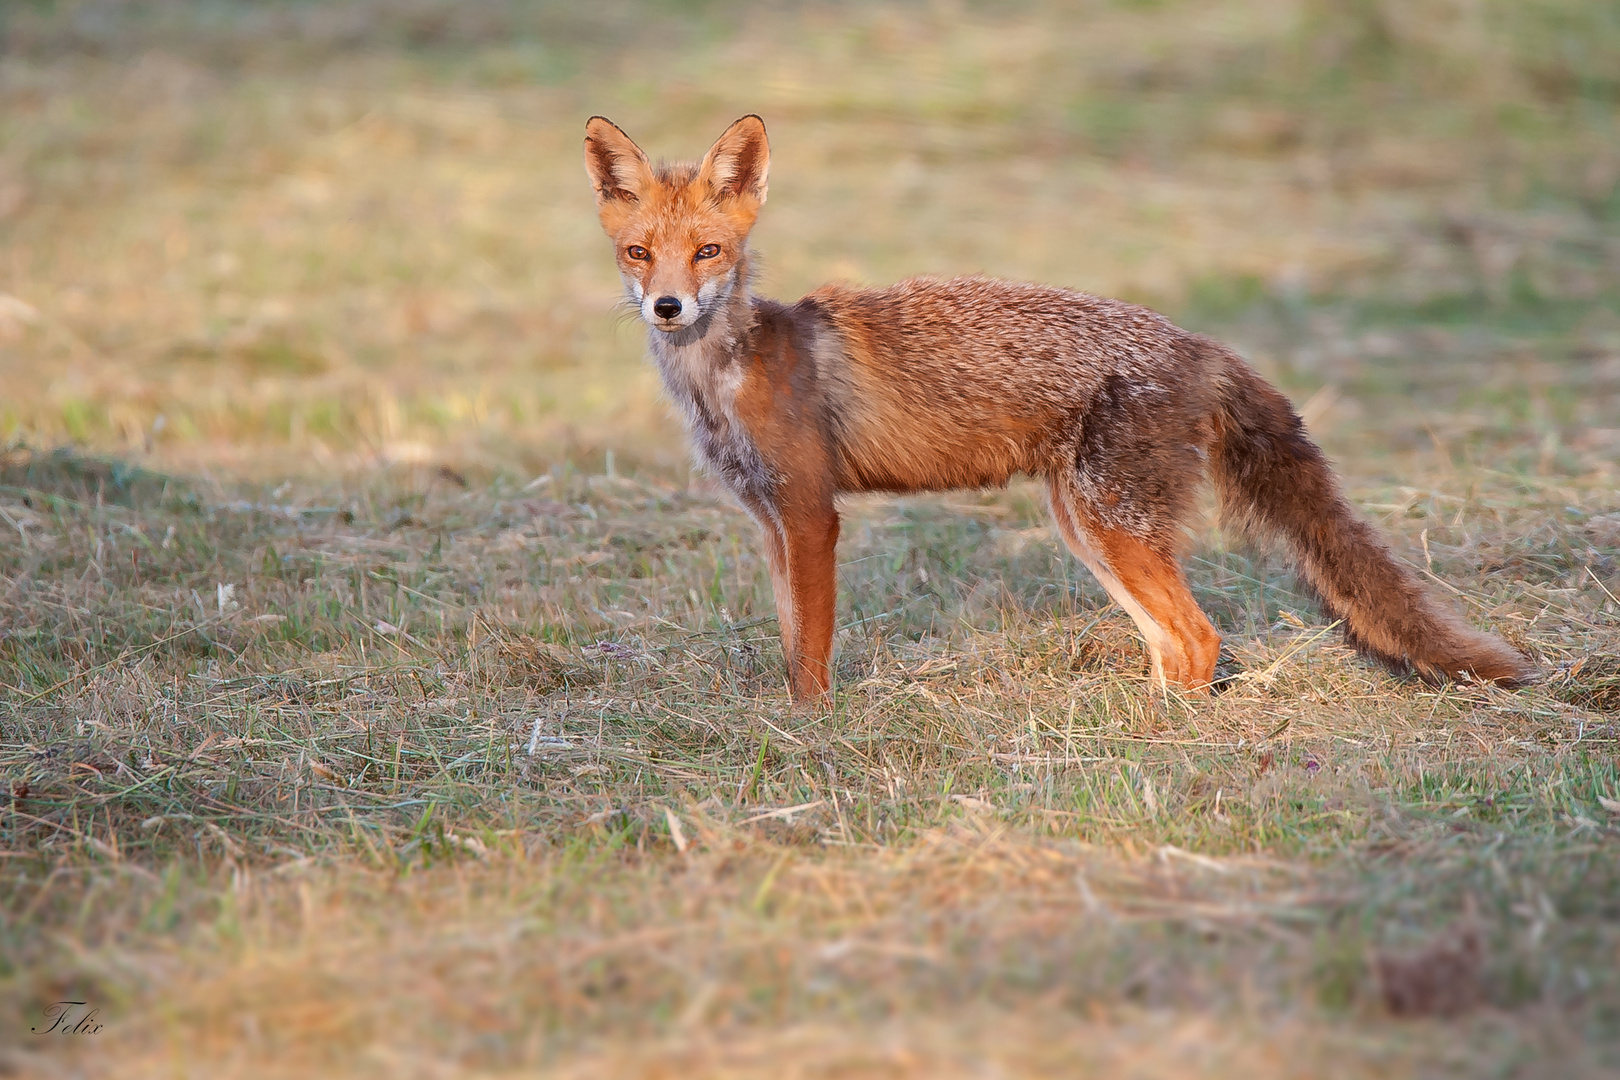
x=800, y=547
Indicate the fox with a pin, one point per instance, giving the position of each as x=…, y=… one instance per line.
x=935, y=384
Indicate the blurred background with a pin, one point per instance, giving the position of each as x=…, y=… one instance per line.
x=292, y=236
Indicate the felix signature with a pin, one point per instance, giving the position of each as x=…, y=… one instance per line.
x=62, y=1015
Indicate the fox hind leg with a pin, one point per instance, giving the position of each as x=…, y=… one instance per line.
x=1183, y=646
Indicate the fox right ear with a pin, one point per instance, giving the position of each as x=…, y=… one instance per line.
x=619, y=171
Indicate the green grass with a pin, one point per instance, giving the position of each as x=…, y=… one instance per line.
x=359, y=717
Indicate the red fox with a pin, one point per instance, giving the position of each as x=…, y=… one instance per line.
x=929, y=385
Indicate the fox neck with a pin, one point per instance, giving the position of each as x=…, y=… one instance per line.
x=703, y=368
x=702, y=364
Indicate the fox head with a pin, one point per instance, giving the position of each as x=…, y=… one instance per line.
x=680, y=231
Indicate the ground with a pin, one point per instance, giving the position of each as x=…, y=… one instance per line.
x=381, y=692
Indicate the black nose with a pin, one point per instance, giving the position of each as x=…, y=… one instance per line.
x=666, y=307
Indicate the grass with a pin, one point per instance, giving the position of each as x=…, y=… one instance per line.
x=381, y=694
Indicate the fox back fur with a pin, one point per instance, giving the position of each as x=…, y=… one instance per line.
x=935, y=384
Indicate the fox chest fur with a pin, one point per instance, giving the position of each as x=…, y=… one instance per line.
x=726, y=373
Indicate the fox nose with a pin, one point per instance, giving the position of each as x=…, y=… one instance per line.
x=666, y=307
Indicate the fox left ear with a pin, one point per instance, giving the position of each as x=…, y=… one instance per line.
x=739, y=161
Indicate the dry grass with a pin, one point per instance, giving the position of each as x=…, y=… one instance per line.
x=510, y=779
x=361, y=719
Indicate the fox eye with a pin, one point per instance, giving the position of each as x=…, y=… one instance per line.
x=636, y=252
x=708, y=251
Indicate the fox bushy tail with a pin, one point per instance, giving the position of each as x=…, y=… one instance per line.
x=1270, y=477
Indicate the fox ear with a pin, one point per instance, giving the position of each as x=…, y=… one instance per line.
x=619, y=171
x=739, y=161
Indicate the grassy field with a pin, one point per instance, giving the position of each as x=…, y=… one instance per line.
x=382, y=693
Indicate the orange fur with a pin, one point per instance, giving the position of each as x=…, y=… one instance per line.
x=1183, y=646
x=928, y=385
